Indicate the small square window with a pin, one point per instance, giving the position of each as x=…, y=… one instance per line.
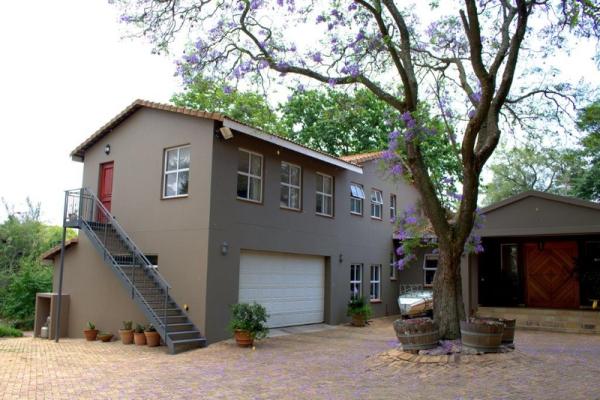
x=430, y=263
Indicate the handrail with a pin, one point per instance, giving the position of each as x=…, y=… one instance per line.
x=113, y=221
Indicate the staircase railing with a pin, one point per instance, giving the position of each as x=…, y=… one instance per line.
x=84, y=210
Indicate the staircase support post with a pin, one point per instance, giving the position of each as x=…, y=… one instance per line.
x=62, y=267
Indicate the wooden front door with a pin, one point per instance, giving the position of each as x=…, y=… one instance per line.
x=551, y=278
x=106, y=183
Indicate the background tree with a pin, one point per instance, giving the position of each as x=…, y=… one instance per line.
x=519, y=169
x=464, y=61
x=587, y=185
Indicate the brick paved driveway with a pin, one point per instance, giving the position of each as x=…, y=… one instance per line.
x=338, y=363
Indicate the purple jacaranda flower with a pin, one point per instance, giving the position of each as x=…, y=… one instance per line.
x=317, y=57
x=262, y=64
x=476, y=96
x=280, y=3
x=411, y=220
x=397, y=169
x=471, y=113
x=394, y=134
x=331, y=82
x=126, y=18
x=388, y=155
x=300, y=88
x=320, y=18
x=352, y=7
x=400, y=249
x=227, y=89
x=360, y=36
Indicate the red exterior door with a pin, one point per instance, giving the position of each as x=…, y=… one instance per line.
x=550, y=275
x=106, y=183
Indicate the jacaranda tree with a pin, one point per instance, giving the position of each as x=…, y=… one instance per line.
x=461, y=57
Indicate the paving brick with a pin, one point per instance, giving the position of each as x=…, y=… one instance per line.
x=340, y=363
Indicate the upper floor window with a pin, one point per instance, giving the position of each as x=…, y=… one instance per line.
x=357, y=196
x=355, y=281
x=376, y=204
x=375, y=292
x=324, y=195
x=291, y=191
x=249, y=176
x=430, y=264
x=177, y=172
x=392, y=207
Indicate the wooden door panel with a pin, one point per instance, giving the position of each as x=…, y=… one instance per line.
x=550, y=273
x=105, y=185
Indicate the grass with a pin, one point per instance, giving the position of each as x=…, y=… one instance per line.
x=7, y=331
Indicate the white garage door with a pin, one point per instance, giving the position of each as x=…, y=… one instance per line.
x=290, y=286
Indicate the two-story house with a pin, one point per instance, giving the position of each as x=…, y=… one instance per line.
x=228, y=213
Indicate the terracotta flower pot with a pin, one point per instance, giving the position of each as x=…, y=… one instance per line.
x=358, y=320
x=243, y=338
x=106, y=337
x=126, y=336
x=90, y=334
x=152, y=339
x=139, y=338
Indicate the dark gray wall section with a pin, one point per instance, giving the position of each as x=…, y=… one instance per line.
x=266, y=227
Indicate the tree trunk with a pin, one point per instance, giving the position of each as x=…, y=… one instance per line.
x=448, y=307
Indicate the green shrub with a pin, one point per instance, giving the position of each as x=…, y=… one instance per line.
x=7, y=331
x=359, y=306
x=17, y=299
x=251, y=318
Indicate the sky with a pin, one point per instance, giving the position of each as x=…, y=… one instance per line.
x=64, y=72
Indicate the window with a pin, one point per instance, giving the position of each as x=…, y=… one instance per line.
x=290, y=186
x=430, y=264
x=392, y=208
x=393, y=269
x=376, y=204
x=509, y=253
x=357, y=195
x=375, y=293
x=355, y=280
x=177, y=172
x=324, y=195
x=249, y=178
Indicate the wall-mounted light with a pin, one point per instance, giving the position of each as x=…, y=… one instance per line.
x=224, y=248
x=341, y=258
x=541, y=245
x=107, y=149
x=226, y=132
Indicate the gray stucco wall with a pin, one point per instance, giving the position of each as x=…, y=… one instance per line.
x=266, y=227
x=174, y=229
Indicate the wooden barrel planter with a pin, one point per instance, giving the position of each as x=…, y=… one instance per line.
x=509, y=328
x=416, y=333
x=482, y=335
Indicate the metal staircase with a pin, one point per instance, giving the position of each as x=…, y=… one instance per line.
x=147, y=287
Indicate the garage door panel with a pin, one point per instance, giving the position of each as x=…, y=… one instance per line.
x=290, y=286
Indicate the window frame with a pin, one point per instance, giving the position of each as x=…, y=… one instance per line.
x=377, y=203
x=249, y=175
x=175, y=171
x=353, y=269
x=325, y=195
x=393, y=207
x=290, y=186
x=357, y=199
x=425, y=268
x=375, y=283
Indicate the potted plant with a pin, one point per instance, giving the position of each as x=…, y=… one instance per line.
x=138, y=335
x=360, y=311
x=105, y=336
x=152, y=337
x=126, y=333
x=91, y=332
x=248, y=322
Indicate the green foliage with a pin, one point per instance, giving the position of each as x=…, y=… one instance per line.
x=360, y=307
x=247, y=107
x=139, y=328
x=91, y=326
x=18, y=298
x=520, y=169
x=249, y=317
x=127, y=325
x=337, y=122
x=150, y=328
x=8, y=331
x=587, y=185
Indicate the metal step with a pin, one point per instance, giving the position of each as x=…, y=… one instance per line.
x=182, y=335
x=180, y=326
x=178, y=346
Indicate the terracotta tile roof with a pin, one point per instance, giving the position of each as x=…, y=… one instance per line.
x=79, y=152
x=53, y=252
x=362, y=157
